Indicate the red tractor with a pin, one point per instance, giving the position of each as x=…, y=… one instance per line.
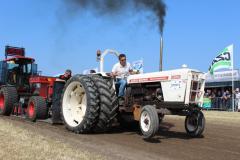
x=23, y=92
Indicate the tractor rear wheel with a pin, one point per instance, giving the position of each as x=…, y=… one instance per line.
x=37, y=108
x=195, y=123
x=8, y=97
x=108, y=103
x=80, y=104
x=149, y=121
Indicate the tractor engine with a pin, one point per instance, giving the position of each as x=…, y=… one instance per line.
x=145, y=93
x=42, y=86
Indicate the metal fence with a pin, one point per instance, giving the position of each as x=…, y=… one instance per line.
x=219, y=103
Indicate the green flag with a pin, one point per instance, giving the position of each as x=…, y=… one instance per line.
x=223, y=60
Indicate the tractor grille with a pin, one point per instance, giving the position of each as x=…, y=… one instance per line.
x=195, y=91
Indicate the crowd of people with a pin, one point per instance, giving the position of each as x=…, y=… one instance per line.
x=222, y=99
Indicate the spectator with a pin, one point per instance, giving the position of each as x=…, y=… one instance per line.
x=237, y=99
x=207, y=94
x=214, y=99
x=219, y=99
x=219, y=94
x=226, y=100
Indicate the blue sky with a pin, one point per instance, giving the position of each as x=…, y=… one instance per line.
x=194, y=33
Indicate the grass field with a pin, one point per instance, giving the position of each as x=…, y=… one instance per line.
x=21, y=144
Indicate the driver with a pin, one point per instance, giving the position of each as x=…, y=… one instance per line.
x=66, y=76
x=121, y=71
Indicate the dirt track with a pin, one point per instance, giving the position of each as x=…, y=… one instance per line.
x=221, y=139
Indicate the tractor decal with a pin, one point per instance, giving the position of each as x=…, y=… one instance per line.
x=176, y=77
x=151, y=79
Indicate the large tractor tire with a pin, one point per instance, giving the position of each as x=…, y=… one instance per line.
x=8, y=97
x=37, y=108
x=108, y=104
x=80, y=104
x=149, y=121
x=56, y=98
x=195, y=123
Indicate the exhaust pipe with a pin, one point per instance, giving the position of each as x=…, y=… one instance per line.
x=161, y=54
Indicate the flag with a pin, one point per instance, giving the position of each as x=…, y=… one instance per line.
x=137, y=66
x=223, y=61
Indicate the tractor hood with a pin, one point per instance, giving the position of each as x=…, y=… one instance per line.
x=161, y=76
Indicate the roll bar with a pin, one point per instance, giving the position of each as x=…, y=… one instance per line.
x=100, y=57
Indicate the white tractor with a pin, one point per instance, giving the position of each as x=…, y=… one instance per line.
x=89, y=102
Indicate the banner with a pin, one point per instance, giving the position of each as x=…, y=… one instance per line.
x=207, y=103
x=223, y=76
x=223, y=60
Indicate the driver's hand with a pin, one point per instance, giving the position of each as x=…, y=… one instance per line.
x=115, y=73
x=112, y=74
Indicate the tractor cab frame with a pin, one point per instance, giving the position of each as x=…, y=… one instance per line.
x=16, y=69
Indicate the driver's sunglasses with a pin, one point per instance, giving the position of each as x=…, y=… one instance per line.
x=68, y=73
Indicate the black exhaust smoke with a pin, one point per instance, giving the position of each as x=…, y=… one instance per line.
x=111, y=7
x=114, y=7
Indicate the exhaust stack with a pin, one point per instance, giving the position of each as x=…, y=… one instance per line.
x=161, y=54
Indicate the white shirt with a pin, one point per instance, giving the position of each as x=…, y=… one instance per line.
x=122, y=71
x=237, y=95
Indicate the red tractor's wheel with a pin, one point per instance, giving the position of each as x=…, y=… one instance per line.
x=8, y=96
x=31, y=110
x=37, y=108
x=1, y=101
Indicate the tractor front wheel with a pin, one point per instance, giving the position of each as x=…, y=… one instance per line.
x=149, y=121
x=37, y=109
x=195, y=123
